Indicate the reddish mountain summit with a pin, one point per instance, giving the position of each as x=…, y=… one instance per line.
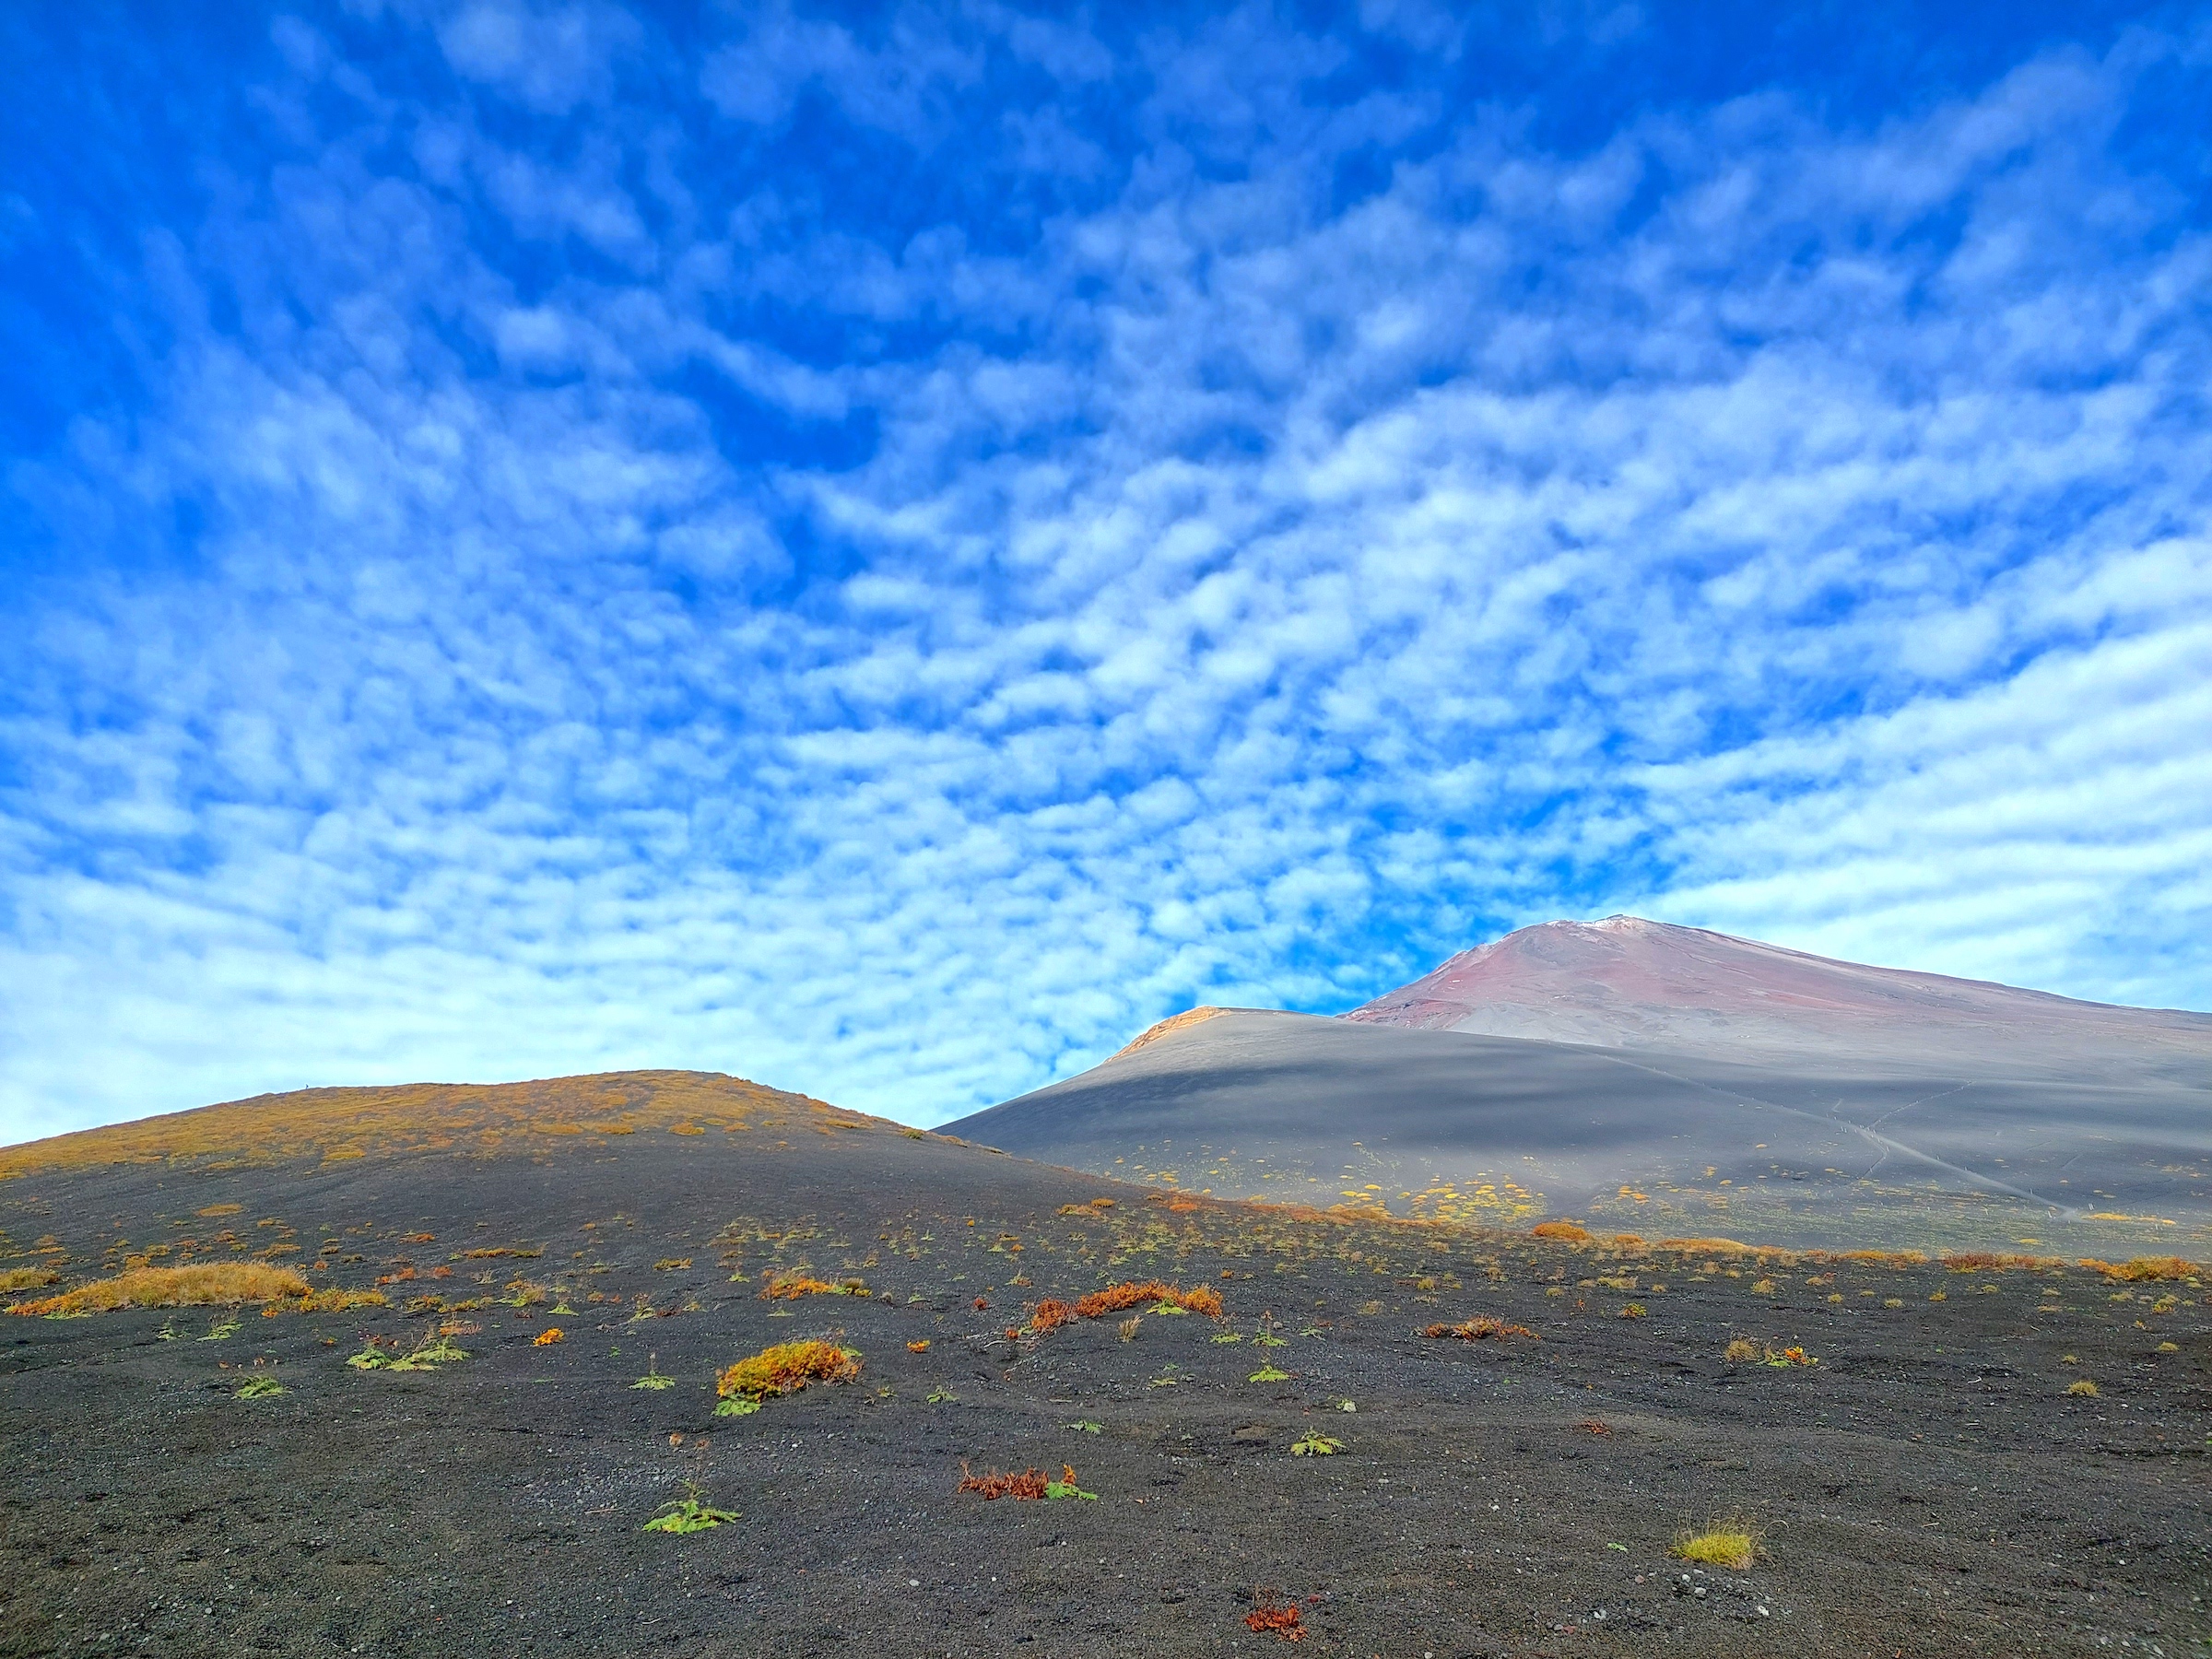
x=1625, y=983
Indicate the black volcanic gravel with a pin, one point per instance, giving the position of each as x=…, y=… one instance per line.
x=1927, y=1487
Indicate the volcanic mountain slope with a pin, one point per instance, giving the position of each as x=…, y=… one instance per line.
x=1625, y=983
x=1672, y=1080
x=487, y=1331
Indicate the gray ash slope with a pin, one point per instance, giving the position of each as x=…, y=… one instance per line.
x=1672, y=1080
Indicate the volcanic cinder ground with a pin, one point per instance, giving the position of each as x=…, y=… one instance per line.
x=1928, y=1486
x=1666, y=1078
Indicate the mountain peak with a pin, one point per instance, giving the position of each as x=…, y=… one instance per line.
x=1627, y=982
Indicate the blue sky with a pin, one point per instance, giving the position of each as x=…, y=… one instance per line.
x=883, y=550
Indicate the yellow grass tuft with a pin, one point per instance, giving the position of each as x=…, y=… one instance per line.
x=2082, y=1388
x=214, y=1283
x=1560, y=1229
x=1732, y=1545
x=1741, y=1352
x=28, y=1278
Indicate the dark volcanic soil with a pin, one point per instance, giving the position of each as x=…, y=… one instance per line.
x=1927, y=1487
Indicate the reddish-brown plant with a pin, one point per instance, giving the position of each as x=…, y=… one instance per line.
x=1480, y=1327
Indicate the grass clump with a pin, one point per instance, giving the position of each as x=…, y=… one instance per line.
x=689, y=1514
x=1568, y=1230
x=1732, y=1545
x=28, y=1278
x=2082, y=1388
x=211, y=1284
x=1481, y=1328
x=260, y=1388
x=786, y=1368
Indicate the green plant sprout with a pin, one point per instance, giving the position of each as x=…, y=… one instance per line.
x=653, y=1377
x=1269, y=1373
x=688, y=1513
x=737, y=1406
x=1315, y=1446
x=221, y=1329
x=260, y=1388
x=1085, y=1425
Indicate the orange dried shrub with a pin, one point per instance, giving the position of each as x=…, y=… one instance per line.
x=1480, y=1327
x=1560, y=1229
x=1268, y=1618
x=2138, y=1269
x=547, y=1337
x=1030, y=1483
x=208, y=1283
x=785, y=1368
x=1049, y=1316
x=790, y=1286
x=1116, y=1299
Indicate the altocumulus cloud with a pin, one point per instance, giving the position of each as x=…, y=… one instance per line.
x=882, y=550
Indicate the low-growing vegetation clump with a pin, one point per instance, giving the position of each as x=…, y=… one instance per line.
x=1481, y=1328
x=790, y=1286
x=2142, y=1269
x=1315, y=1446
x=1568, y=1230
x=28, y=1278
x=260, y=1388
x=1030, y=1484
x=1049, y=1315
x=786, y=1368
x=1990, y=1261
x=2082, y=1388
x=1116, y=1299
x=689, y=1514
x=1270, y=1617
x=428, y=1354
x=211, y=1284
x=1731, y=1547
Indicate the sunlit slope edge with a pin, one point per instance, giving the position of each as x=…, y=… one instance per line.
x=336, y=1124
x=1462, y=1127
